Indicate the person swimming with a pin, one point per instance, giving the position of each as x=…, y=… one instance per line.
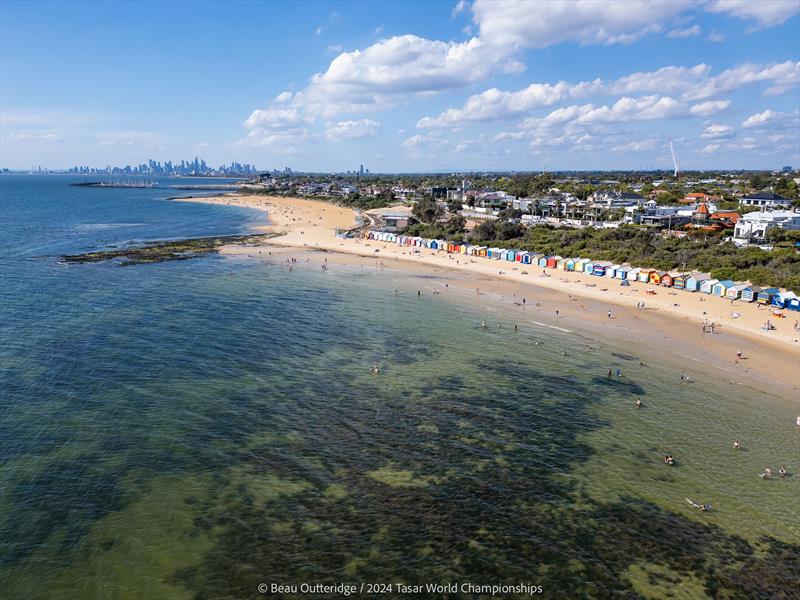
x=736, y=444
x=669, y=460
x=375, y=368
x=619, y=372
x=483, y=324
x=782, y=471
x=638, y=403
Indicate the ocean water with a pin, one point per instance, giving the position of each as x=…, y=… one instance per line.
x=193, y=429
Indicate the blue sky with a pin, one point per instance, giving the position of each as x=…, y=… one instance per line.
x=407, y=86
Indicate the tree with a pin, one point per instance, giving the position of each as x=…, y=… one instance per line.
x=454, y=205
x=427, y=210
x=484, y=231
x=509, y=213
x=758, y=181
x=455, y=225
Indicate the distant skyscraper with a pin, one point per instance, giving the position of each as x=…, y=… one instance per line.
x=361, y=170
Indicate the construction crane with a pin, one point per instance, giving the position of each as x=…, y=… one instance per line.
x=674, y=159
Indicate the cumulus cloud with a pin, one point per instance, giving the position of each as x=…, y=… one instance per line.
x=496, y=104
x=782, y=77
x=716, y=37
x=690, y=83
x=709, y=149
x=717, y=130
x=419, y=141
x=275, y=118
x=509, y=135
x=283, y=97
x=667, y=80
x=766, y=13
x=763, y=119
x=351, y=130
x=276, y=125
x=646, y=108
x=541, y=24
x=370, y=79
x=710, y=107
x=639, y=145
x=692, y=31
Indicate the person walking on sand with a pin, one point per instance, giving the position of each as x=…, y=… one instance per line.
x=556, y=313
x=609, y=314
x=738, y=354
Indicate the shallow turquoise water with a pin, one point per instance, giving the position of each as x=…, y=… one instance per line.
x=192, y=429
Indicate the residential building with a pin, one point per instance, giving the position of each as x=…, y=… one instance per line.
x=768, y=200
x=753, y=227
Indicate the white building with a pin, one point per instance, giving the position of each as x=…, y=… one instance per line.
x=753, y=227
x=606, y=199
x=768, y=200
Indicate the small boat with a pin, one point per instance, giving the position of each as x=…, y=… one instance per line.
x=701, y=507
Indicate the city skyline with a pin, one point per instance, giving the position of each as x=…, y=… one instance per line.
x=448, y=86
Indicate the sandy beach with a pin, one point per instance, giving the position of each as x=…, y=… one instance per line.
x=671, y=320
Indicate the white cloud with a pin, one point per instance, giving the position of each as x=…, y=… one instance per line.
x=18, y=136
x=351, y=130
x=664, y=80
x=509, y=135
x=496, y=104
x=370, y=78
x=378, y=30
x=334, y=49
x=717, y=130
x=275, y=118
x=640, y=145
x=283, y=97
x=710, y=107
x=766, y=13
x=646, y=108
x=762, y=119
x=460, y=7
x=709, y=149
x=281, y=139
x=783, y=77
x=692, y=31
x=716, y=37
x=318, y=31
x=541, y=24
x=418, y=141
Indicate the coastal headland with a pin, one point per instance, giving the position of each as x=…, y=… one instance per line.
x=667, y=322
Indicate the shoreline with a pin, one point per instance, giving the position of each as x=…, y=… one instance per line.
x=671, y=320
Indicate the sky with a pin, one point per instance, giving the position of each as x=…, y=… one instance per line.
x=402, y=86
